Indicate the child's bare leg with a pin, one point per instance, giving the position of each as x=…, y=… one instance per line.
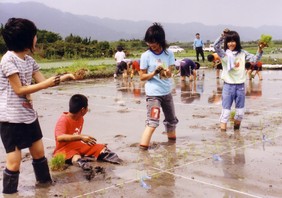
x=75, y=158
x=223, y=127
x=124, y=75
x=132, y=73
x=183, y=78
x=37, y=150
x=217, y=73
x=259, y=75
x=250, y=74
x=13, y=160
x=146, y=137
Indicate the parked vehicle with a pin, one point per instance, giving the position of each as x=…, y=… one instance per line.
x=209, y=49
x=176, y=48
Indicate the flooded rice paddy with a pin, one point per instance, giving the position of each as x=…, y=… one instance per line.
x=202, y=163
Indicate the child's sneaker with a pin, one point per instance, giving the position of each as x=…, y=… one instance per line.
x=109, y=156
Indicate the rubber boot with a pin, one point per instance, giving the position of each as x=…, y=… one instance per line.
x=10, y=182
x=236, y=127
x=41, y=170
x=109, y=156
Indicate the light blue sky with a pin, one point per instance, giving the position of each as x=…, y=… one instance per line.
x=252, y=13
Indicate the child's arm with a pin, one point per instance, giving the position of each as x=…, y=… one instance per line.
x=169, y=71
x=218, y=42
x=217, y=47
x=79, y=137
x=42, y=83
x=253, y=58
x=147, y=76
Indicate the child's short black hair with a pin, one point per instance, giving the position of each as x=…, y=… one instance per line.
x=119, y=48
x=248, y=65
x=232, y=36
x=77, y=102
x=18, y=34
x=197, y=65
x=210, y=58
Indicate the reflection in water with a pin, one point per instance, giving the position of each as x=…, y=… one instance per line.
x=127, y=88
x=233, y=164
x=216, y=95
x=189, y=91
x=163, y=158
x=254, y=89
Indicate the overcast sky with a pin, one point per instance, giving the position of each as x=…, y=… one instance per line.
x=252, y=13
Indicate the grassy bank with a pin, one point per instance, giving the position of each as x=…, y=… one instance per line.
x=105, y=67
x=89, y=71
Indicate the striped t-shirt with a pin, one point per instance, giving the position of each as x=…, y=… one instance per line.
x=15, y=108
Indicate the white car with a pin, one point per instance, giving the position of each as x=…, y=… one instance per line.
x=175, y=48
x=209, y=49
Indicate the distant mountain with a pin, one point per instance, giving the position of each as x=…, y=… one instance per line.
x=106, y=29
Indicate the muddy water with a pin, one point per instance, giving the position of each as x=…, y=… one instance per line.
x=202, y=163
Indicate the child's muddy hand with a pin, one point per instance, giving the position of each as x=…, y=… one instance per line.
x=88, y=140
x=158, y=70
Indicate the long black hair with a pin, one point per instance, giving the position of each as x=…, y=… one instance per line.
x=232, y=36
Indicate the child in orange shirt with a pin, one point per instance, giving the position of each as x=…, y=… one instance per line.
x=135, y=67
x=73, y=144
x=215, y=59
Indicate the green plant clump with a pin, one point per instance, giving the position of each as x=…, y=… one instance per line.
x=265, y=38
x=57, y=163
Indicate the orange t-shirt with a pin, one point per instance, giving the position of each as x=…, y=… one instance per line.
x=136, y=65
x=66, y=125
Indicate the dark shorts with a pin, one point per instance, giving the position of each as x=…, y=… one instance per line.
x=256, y=68
x=19, y=135
x=122, y=66
x=219, y=66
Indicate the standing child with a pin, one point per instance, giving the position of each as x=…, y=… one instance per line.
x=73, y=144
x=119, y=57
x=19, y=126
x=156, y=67
x=233, y=59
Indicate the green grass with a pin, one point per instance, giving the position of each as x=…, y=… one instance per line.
x=94, y=71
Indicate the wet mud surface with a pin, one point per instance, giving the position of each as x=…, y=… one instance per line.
x=202, y=163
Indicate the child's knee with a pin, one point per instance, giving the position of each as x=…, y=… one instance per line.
x=225, y=114
x=239, y=114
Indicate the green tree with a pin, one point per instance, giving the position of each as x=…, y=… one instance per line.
x=73, y=39
x=44, y=36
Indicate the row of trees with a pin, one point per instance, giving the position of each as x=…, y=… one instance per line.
x=51, y=45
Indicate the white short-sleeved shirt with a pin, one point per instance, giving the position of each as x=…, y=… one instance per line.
x=15, y=108
x=119, y=56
